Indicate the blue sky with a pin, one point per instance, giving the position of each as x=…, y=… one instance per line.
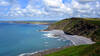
x=48, y=9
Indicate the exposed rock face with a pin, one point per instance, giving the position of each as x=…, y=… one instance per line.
x=78, y=26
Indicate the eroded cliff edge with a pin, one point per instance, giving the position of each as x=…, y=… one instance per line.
x=88, y=27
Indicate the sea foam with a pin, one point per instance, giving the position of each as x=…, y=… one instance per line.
x=76, y=40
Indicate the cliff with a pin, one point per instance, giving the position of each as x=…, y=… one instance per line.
x=88, y=27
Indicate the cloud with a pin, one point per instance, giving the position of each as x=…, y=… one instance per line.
x=29, y=11
x=87, y=0
x=4, y=3
x=55, y=9
x=53, y=3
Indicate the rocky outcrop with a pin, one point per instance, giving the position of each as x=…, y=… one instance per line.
x=78, y=26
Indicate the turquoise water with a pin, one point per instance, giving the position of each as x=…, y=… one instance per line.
x=16, y=39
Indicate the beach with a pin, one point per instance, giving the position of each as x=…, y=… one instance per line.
x=76, y=40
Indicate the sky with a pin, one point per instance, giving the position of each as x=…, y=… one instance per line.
x=48, y=9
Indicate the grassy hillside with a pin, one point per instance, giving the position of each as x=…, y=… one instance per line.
x=88, y=27
x=82, y=50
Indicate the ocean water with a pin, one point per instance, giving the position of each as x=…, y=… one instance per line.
x=16, y=39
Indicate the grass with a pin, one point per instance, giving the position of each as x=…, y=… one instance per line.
x=82, y=50
x=61, y=24
x=93, y=21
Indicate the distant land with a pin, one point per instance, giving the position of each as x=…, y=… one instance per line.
x=29, y=22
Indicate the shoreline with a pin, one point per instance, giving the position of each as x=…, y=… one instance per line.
x=76, y=40
x=44, y=52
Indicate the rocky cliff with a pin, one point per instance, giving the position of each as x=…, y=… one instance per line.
x=88, y=27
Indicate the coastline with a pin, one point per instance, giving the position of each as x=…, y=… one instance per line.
x=44, y=52
x=76, y=40
x=40, y=23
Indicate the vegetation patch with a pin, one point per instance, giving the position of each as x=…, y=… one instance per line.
x=82, y=50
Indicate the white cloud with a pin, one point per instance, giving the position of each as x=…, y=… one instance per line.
x=53, y=3
x=29, y=11
x=87, y=0
x=78, y=5
x=56, y=8
x=97, y=4
x=4, y=3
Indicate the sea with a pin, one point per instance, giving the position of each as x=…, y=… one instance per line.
x=17, y=39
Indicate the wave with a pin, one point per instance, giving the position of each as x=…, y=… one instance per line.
x=49, y=35
x=76, y=40
x=26, y=54
x=29, y=54
x=54, y=33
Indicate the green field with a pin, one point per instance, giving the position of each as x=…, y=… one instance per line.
x=93, y=21
x=82, y=50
